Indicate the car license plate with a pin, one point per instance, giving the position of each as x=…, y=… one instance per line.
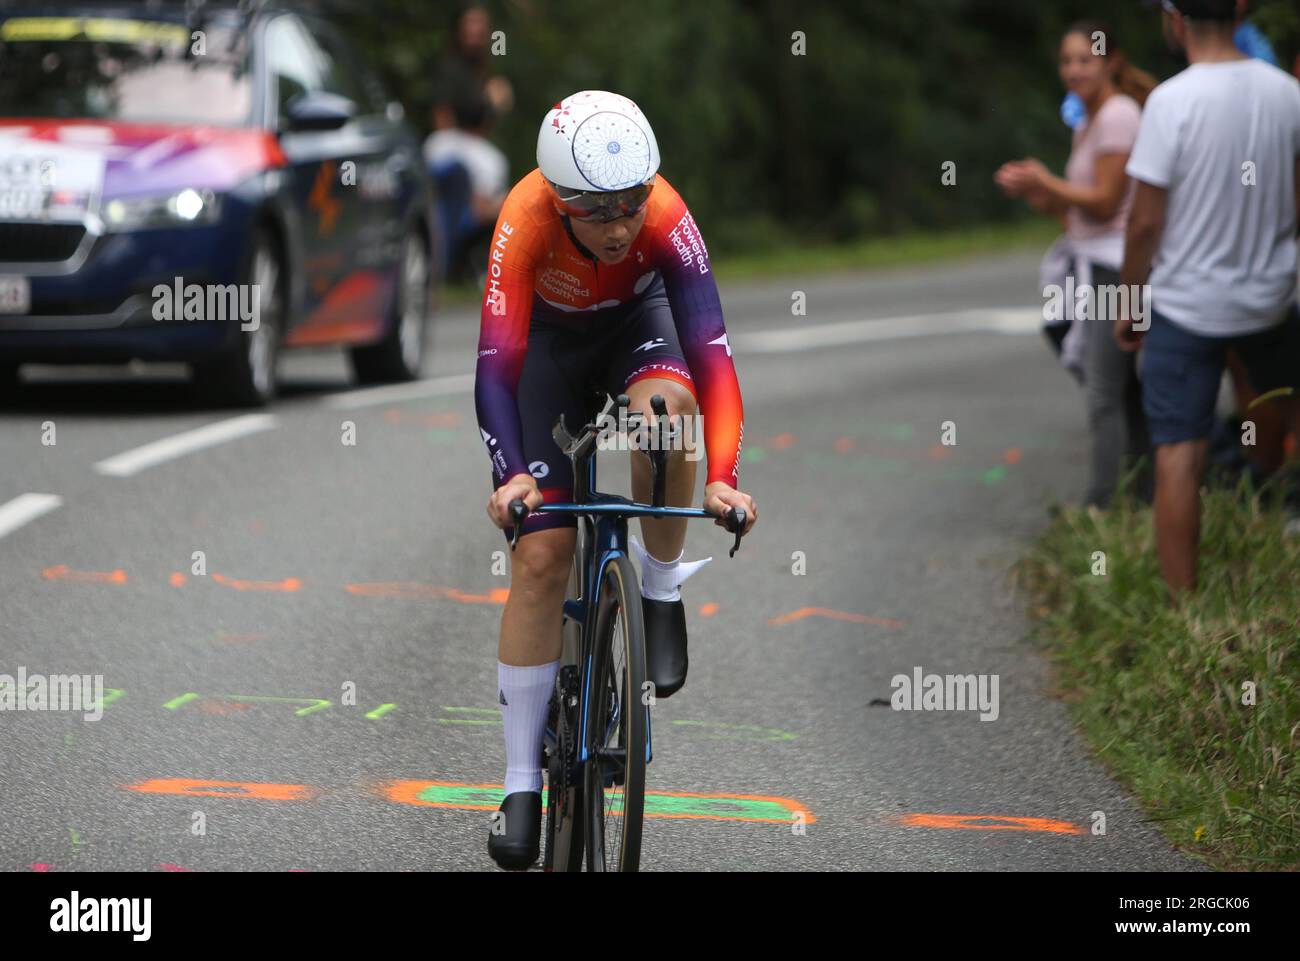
x=15, y=295
x=21, y=204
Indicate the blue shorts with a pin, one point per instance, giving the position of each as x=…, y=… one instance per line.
x=1181, y=372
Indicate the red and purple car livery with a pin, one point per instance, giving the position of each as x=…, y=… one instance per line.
x=206, y=189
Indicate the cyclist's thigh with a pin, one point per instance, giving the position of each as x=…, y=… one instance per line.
x=647, y=346
x=545, y=557
x=550, y=384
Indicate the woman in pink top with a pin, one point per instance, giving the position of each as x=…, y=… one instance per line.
x=1093, y=202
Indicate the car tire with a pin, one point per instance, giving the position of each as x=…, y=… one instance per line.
x=400, y=355
x=244, y=375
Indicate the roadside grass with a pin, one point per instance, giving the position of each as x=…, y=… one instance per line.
x=1158, y=690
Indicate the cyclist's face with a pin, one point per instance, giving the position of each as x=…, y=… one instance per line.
x=609, y=242
x=1082, y=71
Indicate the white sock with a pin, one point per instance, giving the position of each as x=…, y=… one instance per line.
x=660, y=580
x=524, y=694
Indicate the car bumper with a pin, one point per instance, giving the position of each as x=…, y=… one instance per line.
x=99, y=306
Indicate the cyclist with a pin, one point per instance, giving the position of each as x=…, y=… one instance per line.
x=598, y=279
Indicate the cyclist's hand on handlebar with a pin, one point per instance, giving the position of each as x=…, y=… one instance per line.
x=521, y=486
x=718, y=497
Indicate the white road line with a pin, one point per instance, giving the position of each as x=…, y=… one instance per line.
x=168, y=448
x=25, y=508
x=1002, y=320
x=370, y=396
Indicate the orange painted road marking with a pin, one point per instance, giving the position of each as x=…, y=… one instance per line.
x=708, y=610
x=289, y=585
x=177, y=579
x=836, y=615
x=783, y=441
x=395, y=589
x=939, y=452
x=62, y=572
x=989, y=822
x=1012, y=455
x=844, y=444
x=239, y=789
x=496, y=595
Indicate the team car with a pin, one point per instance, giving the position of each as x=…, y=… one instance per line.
x=209, y=185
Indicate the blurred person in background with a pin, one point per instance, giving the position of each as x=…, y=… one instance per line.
x=467, y=65
x=1212, y=231
x=1272, y=439
x=1093, y=201
x=472, y=175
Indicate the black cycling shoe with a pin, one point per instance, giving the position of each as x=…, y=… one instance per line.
x=665, y=645
x=519, y=844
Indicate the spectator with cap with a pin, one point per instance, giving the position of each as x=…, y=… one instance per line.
x=1212, y=231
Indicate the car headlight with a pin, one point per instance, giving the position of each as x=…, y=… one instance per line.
x=188, y=207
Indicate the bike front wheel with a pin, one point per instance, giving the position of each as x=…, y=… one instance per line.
x=614, y=779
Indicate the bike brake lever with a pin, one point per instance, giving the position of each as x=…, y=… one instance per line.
x=735, y=521
x=518, y=511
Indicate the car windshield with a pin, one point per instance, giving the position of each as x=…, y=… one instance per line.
x=114, y=68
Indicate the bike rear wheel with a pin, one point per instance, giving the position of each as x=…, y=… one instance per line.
x=614, y=777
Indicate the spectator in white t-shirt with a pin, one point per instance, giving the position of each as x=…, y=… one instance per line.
x=1212, y=231
x=461, y=137
x=472, y=177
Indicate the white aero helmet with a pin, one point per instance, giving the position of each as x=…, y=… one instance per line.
x=595, y=140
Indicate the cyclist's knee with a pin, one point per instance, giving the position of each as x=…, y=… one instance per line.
x=679, y=400
x=542, y=560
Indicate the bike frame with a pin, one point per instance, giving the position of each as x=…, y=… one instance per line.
x=604, y=517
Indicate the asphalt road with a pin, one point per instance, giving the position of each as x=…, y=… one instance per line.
x=231, y=742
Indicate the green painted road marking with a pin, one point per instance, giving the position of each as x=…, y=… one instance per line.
x=995, y=475
x=493, y=713
x=314, y=703
x=112, y=694
x=719, y=807
x=753, y=454
x=380, y=711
